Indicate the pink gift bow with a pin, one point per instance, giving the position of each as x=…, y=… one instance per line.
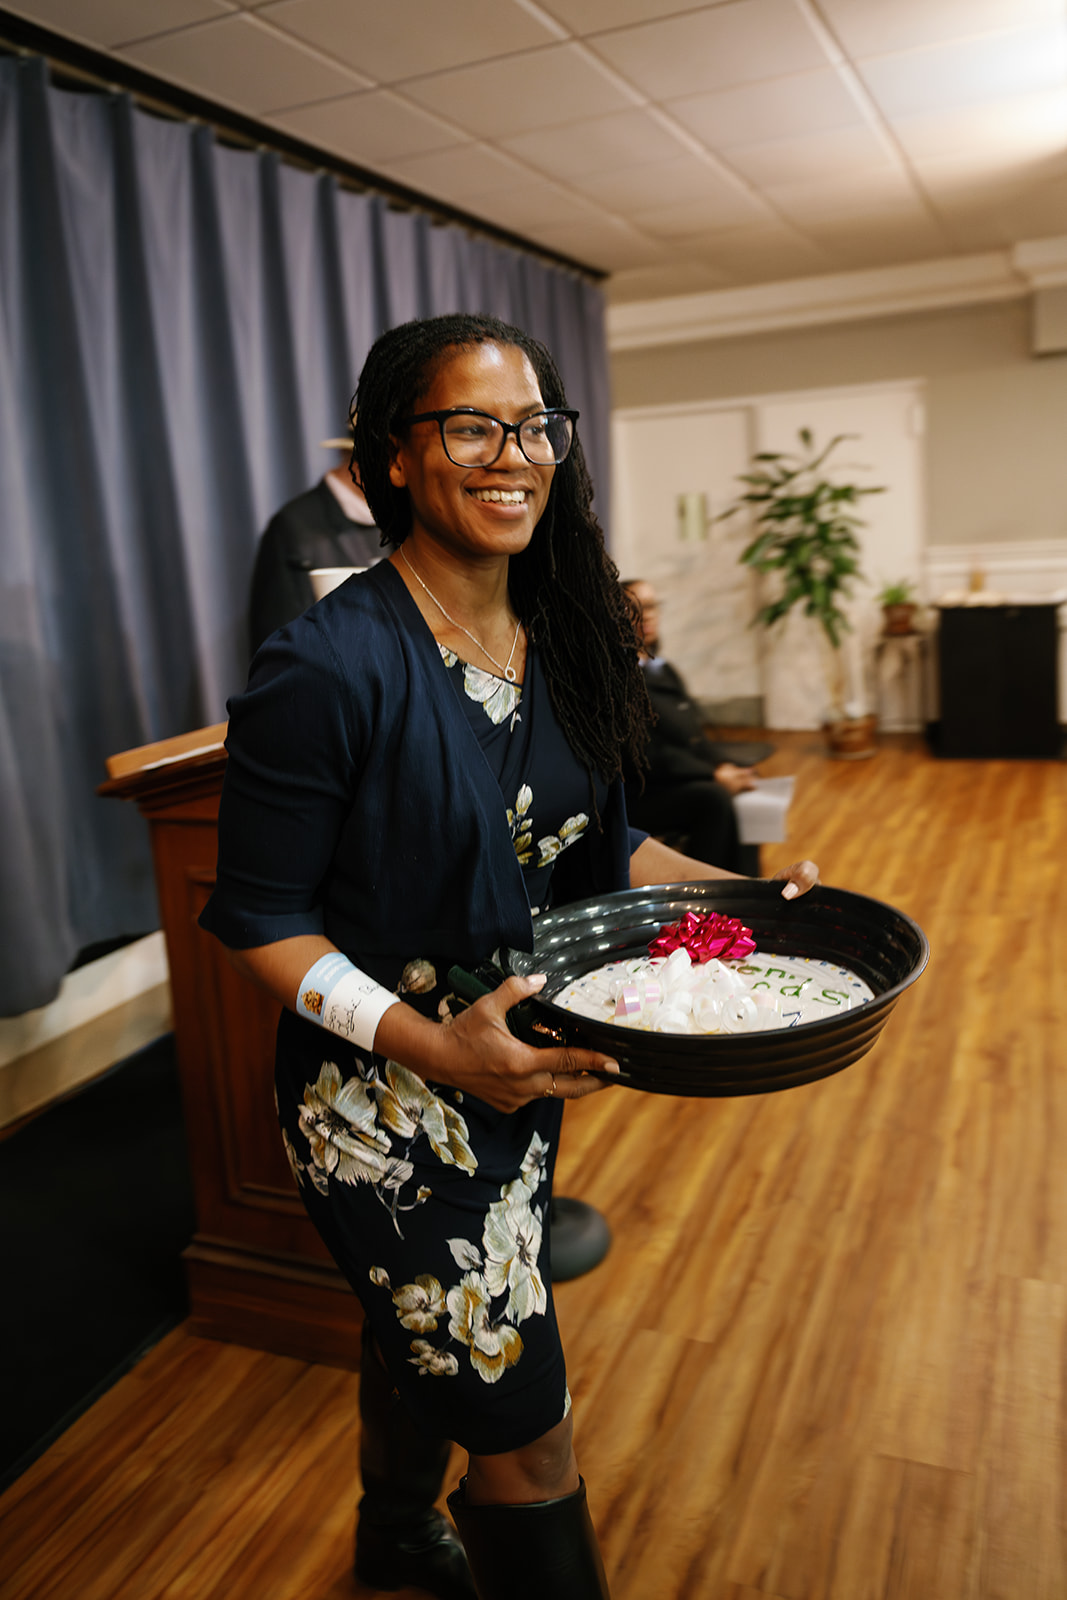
x=705, y=937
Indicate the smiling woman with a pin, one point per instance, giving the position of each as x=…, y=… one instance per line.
x=420, y=762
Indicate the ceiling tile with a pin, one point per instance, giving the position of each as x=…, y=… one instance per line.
x=542, y=89
x=368, y=128
x=993, y=67
x=823, y=198
x=714, y=48
x=678, y=276
x=818, y=155
x=596, y=144
x=809, y=102
x=966, y=176
x=521, y=207
x=1005, y=215
x=763, y=254
x=243, y=64
x=868, y=237
x=106, y=23
x=630, y=189
x=1038, y=213
x=724, y=208
x=857, y=251
x=458, y=173
x=977, y=232
x=998, y=131
x=607, y=246
x=406, y=38
x=591, y=16
x=867, y=29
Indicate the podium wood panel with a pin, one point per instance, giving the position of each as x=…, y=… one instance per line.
x=257, y=1271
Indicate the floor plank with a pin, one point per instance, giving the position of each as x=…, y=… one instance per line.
x=825, y=1357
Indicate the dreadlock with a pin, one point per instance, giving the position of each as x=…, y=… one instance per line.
x=564, y=585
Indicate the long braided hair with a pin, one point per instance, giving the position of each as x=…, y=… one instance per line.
x=564, y=585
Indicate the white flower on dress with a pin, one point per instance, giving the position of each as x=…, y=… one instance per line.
x=504, y=1265
x=466, y=1254
x=338, y=1119
x=493, y=1346
x=419, y=1304
x=431, y=1362
x=407, y=1107
x=521, y=836
x=535, y=1163
x=571, y=831
x=512, y=1243
x=497, y=697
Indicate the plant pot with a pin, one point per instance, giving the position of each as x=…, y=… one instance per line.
x=852, y=738
x=899, y=618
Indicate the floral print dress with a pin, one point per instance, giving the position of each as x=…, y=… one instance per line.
x=433, y=1204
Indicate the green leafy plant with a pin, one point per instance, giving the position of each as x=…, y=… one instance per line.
x=806, y=533
x=902, y=593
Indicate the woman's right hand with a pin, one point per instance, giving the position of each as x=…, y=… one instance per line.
x=478, y=1053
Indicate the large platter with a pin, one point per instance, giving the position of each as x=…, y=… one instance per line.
x=879, y=943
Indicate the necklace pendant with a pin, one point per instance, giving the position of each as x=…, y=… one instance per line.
x=510, y=674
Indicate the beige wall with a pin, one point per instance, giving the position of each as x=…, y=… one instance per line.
x=996, y=442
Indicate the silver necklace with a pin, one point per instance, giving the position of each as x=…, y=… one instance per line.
x=507, y=672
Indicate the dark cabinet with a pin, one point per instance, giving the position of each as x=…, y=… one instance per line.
x=998, y=668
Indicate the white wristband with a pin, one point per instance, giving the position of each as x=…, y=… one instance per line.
x=337, y=996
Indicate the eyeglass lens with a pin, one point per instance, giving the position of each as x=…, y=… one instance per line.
x=475, y=441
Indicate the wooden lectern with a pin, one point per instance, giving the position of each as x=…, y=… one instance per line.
x=258, y=1273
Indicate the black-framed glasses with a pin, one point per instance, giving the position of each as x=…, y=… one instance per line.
x=476, y=438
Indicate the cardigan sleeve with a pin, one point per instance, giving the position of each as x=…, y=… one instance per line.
x=293, y=748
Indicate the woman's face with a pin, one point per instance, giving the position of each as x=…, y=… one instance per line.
x=479, y=511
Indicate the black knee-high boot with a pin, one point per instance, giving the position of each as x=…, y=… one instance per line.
x=533, y=1551
x=402, y=1541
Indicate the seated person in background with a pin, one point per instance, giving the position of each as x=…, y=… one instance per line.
x=689, y=786
x=328, y=526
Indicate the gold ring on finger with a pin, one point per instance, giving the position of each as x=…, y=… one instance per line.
x=550, y=1093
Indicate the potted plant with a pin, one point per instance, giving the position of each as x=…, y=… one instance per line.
x=806, y=526
x=899, y=605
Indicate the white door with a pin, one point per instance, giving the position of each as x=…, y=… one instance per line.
x=707, y=596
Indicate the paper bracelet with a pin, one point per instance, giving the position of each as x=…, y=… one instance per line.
x=339, y=997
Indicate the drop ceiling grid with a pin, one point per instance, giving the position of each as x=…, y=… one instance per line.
x=739, y=141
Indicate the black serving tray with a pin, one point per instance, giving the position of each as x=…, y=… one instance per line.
x=876, y=941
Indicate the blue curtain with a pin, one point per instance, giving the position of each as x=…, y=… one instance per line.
x=180, y=324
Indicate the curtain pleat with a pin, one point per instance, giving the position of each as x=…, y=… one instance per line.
x=181, y=323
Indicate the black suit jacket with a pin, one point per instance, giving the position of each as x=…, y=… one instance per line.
x=679, y=749
x=309, y=531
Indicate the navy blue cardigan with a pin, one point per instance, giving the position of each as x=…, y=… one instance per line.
x=357, y=802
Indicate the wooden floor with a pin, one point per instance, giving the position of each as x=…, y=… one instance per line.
x=826, y=1357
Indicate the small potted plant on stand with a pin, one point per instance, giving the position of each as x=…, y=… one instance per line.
x=806, y=536
x=899, y=606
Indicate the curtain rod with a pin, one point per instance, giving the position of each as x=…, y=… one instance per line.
x=81, y=66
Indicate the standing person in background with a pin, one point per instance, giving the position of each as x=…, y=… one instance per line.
x=329, y=525
x=420, y=763
x=687, y=792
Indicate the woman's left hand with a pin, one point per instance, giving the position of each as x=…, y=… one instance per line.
x=799, y=878
x=654, y=862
